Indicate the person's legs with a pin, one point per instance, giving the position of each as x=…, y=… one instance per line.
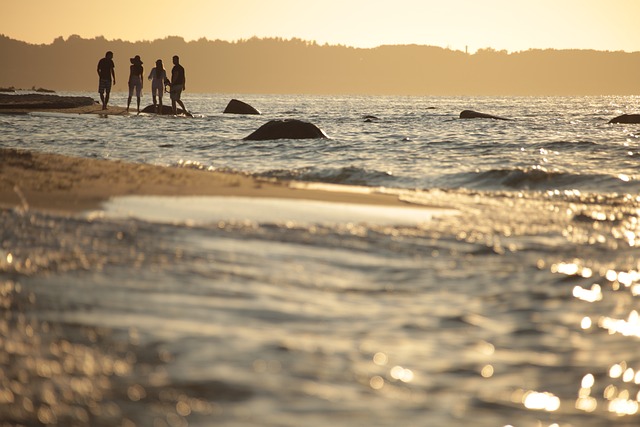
x=154, y=97
x=104, y=86
x=175, y=96
x=130, y=95
x=175, y=99
x=138, y=94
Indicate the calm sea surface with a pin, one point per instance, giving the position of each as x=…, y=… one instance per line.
x=518, y=306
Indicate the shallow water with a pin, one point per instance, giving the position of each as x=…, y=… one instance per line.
x=415, y=142
x=519, y=308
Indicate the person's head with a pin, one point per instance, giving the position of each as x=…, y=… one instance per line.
x=176, y=59
x=108, y=55
x=159, y=64
x=136, y=60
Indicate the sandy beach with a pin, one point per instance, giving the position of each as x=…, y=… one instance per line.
x=54, y=182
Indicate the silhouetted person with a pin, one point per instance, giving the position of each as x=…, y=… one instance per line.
x=106, y=71
x=178, y=81
x=135, y=80
x=158, y=77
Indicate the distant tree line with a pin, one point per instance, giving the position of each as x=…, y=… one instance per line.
x=275, y=65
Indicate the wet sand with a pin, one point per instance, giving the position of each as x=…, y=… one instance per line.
x=54, y=182
x=60, y=372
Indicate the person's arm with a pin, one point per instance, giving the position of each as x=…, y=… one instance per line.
x=184, y=80
x=113, y=74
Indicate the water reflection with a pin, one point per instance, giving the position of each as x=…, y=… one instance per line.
x=629, y=327
x=397, y=322
x=543, y=401
x=615, y=389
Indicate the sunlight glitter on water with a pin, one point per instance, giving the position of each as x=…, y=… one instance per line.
x=541, y=401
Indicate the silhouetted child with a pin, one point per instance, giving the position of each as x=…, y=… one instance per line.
x=158, y=77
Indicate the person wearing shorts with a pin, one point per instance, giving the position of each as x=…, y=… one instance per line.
x=135, y=80
x=158, y=77
x=178, y=84
x=106, y=72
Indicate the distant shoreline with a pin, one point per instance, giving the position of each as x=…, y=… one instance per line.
x=300, y=67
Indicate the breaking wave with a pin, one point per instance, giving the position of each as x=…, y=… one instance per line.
x=539, y=179
x=534, y=179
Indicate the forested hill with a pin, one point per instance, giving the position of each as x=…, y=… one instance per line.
x=275, y=65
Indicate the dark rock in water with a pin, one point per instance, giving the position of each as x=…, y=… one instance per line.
x=286, y=129
x=153, y=109
x=626, y=118
x=470, y=114
x=166, y=110
x=43, y=90
x=238, y=107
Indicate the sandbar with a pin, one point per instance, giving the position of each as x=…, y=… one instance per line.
x=37, y=102
x=54, y=182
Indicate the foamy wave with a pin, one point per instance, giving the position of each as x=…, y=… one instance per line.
x=540, y=179
x=534, y=179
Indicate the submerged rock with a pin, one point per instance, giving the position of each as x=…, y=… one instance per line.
x=286, y=129
x=238, y=107
x=626, y=118
x=470, y=114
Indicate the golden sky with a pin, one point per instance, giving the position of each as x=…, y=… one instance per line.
x=512, y=25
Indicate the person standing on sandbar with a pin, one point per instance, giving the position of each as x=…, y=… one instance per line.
x=106, y=71
x=178, y=82
x=158, y=77
x=135, y=80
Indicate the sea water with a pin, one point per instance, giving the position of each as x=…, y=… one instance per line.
x=510, y=299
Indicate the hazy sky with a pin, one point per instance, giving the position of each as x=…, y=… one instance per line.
x=513, y=25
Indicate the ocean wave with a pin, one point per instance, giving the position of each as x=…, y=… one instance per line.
x=541, y=180
x=564, y=144
x=517, y=179
x=350, y=175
